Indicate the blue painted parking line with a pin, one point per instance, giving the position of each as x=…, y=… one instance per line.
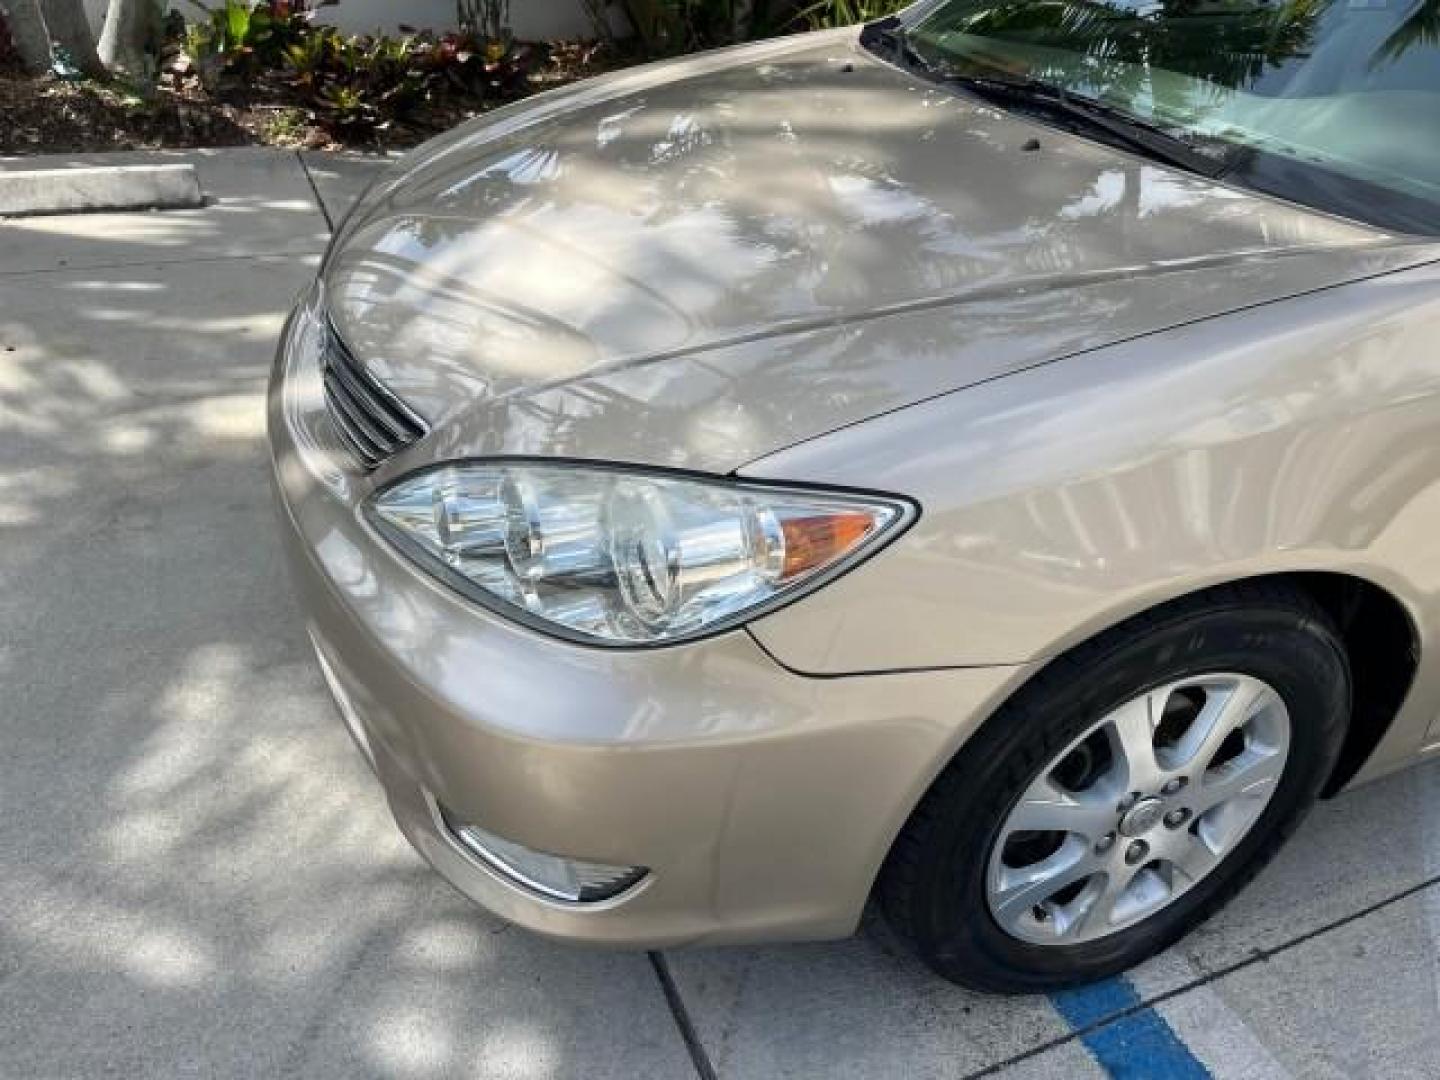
x=1139, y=1046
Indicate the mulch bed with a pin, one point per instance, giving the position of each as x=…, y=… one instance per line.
x=47, y=115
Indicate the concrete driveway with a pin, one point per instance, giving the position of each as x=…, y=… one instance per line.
x=199, y=878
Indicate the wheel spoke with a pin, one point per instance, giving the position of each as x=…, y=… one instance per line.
x=1146, y=802
x=1191, y=856
x=1222, y=714
x=1252, y=775
x=1046, y=807
x=1099, y=911
x=1133, y=727
x=1021, y=889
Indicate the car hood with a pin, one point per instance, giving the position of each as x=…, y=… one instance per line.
x=698, y=263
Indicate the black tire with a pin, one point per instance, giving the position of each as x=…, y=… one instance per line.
x=932, y=887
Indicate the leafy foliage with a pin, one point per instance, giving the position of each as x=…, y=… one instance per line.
x=1421, y=27
x=827, y=13
x=357, y=82
x=668, y=27
x=246, y=36
x=1122, y=49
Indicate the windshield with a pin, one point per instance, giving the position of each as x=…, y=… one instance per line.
x=1335, y=103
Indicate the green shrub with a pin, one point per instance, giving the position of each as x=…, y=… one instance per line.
x=670, y=27
x=355, y=82
x=245, y=35
x=827, y=13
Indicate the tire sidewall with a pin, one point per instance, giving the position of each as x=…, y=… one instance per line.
x=1296, y=655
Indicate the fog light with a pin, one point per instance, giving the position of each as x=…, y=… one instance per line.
x=554, y=876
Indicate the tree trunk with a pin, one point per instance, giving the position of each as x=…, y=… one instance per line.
x=742, y=20
x=29, y=32
x=71, y=31
x=129, y=25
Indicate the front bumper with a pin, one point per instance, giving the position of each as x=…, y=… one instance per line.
x=763, y=802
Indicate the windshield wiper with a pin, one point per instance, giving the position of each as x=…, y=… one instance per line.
x=889, y=34
x=1086, y=113
x=1076, y=111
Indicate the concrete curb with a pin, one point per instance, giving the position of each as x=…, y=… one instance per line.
x=112, y=187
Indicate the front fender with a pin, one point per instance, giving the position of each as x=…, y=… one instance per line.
x=1297, y=435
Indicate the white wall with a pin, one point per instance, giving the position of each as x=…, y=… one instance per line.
x=537, y=19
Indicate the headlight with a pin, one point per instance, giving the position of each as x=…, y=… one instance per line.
x=615, y=556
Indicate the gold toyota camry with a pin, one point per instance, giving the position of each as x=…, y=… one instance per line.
x=987, y=460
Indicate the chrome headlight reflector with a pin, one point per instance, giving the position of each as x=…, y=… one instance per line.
x=618, y=556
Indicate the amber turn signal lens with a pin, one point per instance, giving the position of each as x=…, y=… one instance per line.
x=812, y=542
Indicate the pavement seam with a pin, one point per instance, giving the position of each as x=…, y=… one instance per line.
x=704, y=1069
x=315, y=190
x=1144, y=1038
x=1256, y=957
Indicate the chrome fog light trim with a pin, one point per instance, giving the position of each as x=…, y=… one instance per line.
x=574, y=881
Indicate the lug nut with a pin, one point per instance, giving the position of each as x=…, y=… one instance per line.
x=1137, y=850
x=1172, y=786
x=1105, y=843
x=1175, y=818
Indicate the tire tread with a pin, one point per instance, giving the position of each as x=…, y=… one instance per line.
x=899, y=882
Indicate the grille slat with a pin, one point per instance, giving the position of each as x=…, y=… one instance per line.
x=352, y=424
x=362, y=454
x=371, y=403
x=373, y=423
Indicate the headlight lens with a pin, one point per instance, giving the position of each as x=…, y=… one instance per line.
x=620, y=557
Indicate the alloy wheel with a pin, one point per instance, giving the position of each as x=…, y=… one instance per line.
x=1138, y=809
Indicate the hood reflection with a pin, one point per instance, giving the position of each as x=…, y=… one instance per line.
x=777, y=199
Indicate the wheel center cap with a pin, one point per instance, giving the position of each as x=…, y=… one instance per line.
x=1142, y=817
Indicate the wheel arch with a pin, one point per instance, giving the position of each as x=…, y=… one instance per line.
x=1377, y=637
x=1380, y=635
x=1383, y=644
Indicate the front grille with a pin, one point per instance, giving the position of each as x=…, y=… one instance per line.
x=373, y=423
